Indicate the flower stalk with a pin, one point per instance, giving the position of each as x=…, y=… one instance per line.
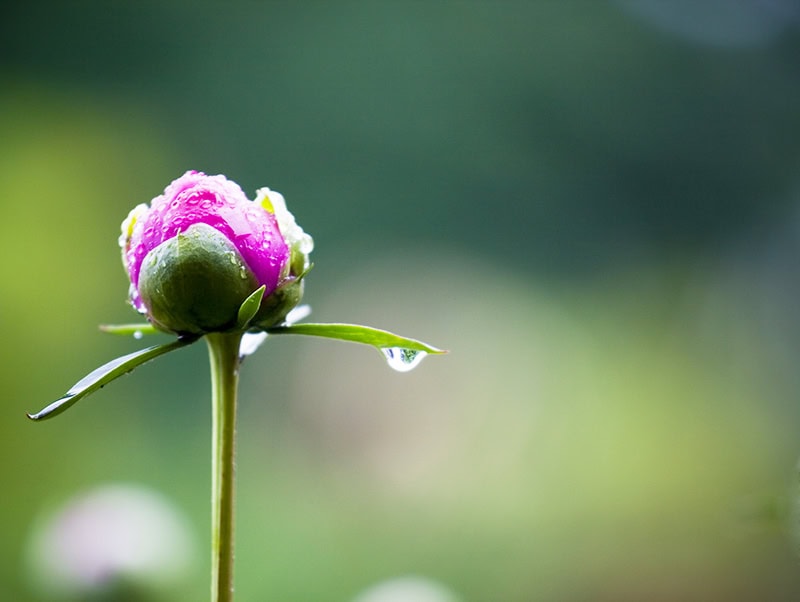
x=223, y=352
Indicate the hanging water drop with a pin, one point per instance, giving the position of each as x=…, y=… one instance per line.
x=401, y=359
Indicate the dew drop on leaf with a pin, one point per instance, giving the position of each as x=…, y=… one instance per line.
x=137, y=334
x=401, y=359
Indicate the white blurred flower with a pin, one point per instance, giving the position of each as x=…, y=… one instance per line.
x=108, y=535
x=410, y=588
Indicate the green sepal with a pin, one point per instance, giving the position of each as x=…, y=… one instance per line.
x=280, y=302
x=130, y=330
x=195, y=282
x=249, y=308
x=355, y=333
x=106, y=373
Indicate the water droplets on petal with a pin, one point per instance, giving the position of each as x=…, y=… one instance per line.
x=216, y=202
x=401, y=359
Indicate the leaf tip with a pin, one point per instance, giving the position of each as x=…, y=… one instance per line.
x=249, y=307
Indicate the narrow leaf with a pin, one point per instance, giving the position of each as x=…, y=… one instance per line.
x=106, y=373
x=249, y=307
x=134, y=330
x=382, y=339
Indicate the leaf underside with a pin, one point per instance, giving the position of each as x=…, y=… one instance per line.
x=106, y=373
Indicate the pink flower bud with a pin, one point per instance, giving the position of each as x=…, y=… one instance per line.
x=189, y=279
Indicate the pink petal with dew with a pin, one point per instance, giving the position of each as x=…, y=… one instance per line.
x=220, y=203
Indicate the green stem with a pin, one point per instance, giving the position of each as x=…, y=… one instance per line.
x=223, y=352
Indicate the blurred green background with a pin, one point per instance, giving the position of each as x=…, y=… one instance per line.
x=594, y=205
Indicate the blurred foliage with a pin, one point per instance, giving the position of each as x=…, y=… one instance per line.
x=594, y=205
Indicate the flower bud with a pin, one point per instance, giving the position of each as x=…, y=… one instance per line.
x=200, y=249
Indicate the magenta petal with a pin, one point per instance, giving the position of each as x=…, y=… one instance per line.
x=220, y=203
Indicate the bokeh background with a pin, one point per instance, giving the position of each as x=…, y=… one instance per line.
x=595, y=205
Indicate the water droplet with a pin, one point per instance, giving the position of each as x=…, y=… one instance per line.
x=242, y=272
x=401, y=359
x=138, y=334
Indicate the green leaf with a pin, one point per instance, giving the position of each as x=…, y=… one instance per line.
x=103, y=375
x=382, y=339
x=249, y=308
x=134, y=330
